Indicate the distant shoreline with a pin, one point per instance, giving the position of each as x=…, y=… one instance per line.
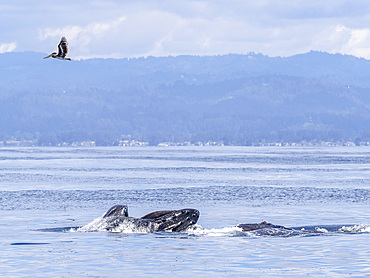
x=133, y=143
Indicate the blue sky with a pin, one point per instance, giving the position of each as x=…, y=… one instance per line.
x=121, y=28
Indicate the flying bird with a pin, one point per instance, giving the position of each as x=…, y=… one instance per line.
x=62, y=50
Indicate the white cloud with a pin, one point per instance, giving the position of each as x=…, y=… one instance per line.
x=97, y=28
x=345, y=40
x=81, y=38
x=7, y=47
x=358, y=43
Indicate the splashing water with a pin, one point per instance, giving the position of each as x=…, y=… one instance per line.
x=358, y=229
x=103, y=224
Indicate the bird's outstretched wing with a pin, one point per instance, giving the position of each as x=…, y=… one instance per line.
x=63, y=47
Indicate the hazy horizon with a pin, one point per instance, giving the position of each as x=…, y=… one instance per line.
x=196, y=55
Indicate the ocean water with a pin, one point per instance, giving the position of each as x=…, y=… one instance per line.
x=47, y=193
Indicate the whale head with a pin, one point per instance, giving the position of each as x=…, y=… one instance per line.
x=116, y=219
x=174, y=221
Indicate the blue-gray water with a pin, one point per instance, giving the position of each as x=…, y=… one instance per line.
x=44, y=189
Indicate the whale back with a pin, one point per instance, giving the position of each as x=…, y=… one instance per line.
x=258, y=226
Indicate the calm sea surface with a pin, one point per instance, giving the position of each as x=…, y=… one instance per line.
x=45, y=191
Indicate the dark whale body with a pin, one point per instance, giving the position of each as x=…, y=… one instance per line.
x=167, y=220
x=264, y=225
x=258, y=226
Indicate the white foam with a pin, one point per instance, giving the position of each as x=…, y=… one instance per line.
x=221, y=232
x=101, y=224
x=355, y=229
x=97, y=224
x=321, y=230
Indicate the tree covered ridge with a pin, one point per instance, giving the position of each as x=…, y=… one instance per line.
x=236, y=99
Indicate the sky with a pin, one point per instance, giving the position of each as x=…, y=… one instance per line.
x=141, y=28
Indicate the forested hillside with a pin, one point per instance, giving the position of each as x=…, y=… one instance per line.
x=237, y=99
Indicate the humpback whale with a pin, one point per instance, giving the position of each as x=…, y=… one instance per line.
x=263, y=225
x=258, y=226
x=116, y=219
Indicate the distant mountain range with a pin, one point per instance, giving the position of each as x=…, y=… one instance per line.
x=236, y=99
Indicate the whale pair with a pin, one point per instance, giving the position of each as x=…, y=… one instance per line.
x=116, y=219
